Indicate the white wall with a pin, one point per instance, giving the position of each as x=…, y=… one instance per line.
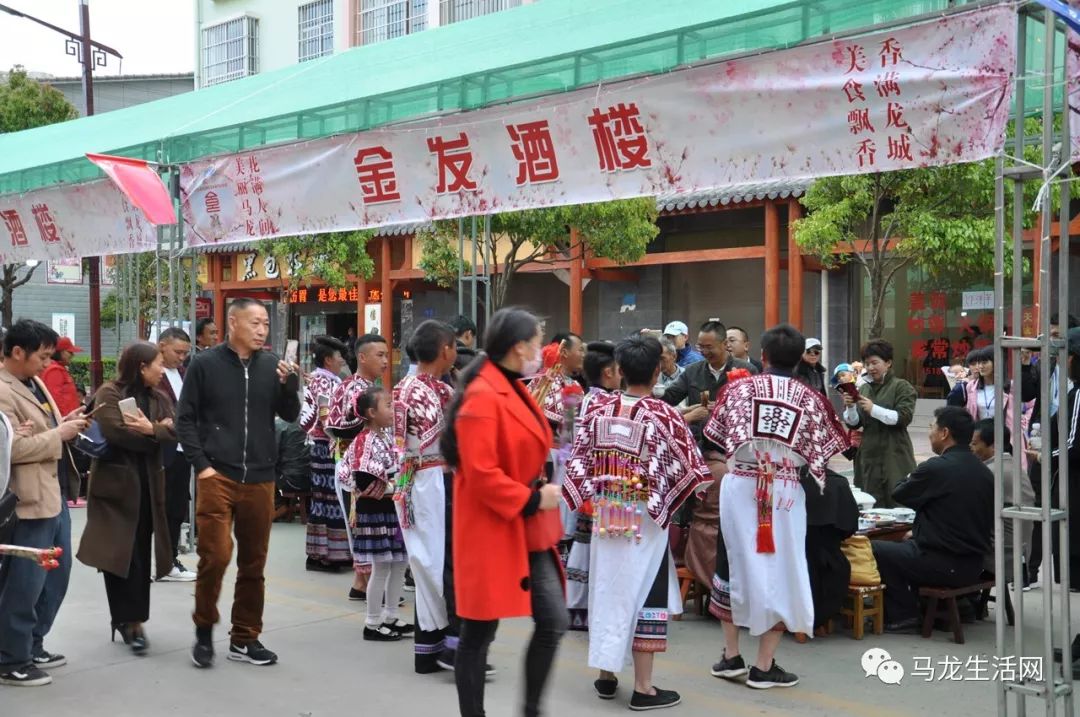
x=278, y=27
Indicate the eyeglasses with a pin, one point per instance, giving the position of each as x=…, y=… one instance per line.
x=815, y=352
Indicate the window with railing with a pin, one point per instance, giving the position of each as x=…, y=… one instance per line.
x=458, y=10
x=230, y=50
x=316, y=30
x=385, y=19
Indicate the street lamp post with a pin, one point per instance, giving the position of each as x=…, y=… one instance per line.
x=90, y=55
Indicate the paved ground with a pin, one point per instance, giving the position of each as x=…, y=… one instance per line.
x=326, y=669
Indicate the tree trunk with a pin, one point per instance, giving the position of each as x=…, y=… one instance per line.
x=500, y=286
x=877, y=304
x=7, y=291
x=5, y=307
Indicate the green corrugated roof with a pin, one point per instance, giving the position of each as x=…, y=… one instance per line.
x=546, y=47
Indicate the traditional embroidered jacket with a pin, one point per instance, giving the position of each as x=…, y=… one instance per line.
x=650, y=446
x=419, y=402
x=552, y=406
x=777, y=408
x=320, y=383
x=371, y=452
x=344, y=422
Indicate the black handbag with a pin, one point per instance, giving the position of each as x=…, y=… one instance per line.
x=92, y=442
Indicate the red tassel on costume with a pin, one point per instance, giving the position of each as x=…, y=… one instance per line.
x=765, y=543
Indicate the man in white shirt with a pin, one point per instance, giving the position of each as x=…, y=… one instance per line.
x=175, y=346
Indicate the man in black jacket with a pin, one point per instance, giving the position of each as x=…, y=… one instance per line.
x=225, y=422
x=707, y=376
x=953, y=498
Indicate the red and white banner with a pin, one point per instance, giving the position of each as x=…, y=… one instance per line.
x=74, y=220
x=933, y=94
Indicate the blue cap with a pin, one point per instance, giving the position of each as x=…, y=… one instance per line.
x=836, y=372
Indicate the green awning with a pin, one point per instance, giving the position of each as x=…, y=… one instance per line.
x=547, y=47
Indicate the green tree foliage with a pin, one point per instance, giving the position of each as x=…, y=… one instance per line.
x=135, y=278
x=25, y=104
x=335, y=257
x=440, y=260
x=941, y=218
x=618, y=230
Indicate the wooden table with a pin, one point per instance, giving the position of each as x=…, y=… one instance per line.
x=893, y=532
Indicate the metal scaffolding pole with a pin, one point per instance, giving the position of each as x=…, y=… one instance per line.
x=473, y=273
x=1055, y=689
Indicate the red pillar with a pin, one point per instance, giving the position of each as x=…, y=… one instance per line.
x=216, y=272
x=577, y=323
x=795, y=268
x=772, y=264
x=387, y=306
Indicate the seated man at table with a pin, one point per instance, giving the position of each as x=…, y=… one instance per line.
x=982, y=445
x=953, y=498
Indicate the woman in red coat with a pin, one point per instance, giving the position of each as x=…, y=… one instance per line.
x=506, y=522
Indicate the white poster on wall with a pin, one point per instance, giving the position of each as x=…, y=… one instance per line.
x=372, y=318
x=64, y=324
x=978, y=301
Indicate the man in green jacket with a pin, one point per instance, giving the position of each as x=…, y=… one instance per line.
x=884, y=410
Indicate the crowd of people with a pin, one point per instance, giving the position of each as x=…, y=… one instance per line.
x=507, y=475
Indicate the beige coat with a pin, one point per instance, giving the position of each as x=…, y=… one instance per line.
x=34, y=457
x=114, y=493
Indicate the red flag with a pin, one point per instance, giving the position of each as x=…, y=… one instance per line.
x=140, y=184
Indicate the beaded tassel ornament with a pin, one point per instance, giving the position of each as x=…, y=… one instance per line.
x=619, y=480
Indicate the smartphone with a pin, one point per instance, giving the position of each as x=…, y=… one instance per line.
x=849, y=388
x=128, y=407
x=292, y=351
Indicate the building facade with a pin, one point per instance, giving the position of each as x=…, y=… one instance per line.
x=58, y=292
x=237, y=38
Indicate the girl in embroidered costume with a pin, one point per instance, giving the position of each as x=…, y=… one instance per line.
x=636, y=460
x=562, y=360
x=367, y=470
x=423, y=493
x=603, y=376
x=344, y=422
x=327, y=536
x=769, y=426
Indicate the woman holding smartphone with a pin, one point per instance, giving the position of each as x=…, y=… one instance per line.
x=125, y=511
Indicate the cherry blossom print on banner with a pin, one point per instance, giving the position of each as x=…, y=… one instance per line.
x=91, y=219
x=931, y=94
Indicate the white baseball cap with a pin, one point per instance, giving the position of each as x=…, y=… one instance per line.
x=811, y=343
x=675, y=328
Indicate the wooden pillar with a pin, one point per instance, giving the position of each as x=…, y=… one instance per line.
x=795, y=268
x=387, y=308
x=772, y=264
x=577, y=323
x=216, y=273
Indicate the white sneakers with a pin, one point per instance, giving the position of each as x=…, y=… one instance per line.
x=179, y=574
